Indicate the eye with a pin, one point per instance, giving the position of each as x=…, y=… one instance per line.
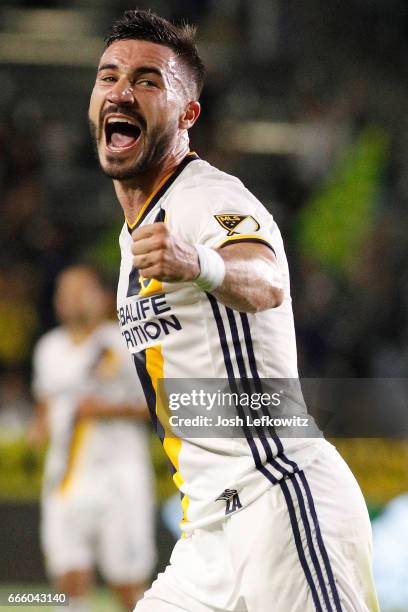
x=108, y=79
x=146, y=83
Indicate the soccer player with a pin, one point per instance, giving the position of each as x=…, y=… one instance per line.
x=269, y=524
x=97, y=506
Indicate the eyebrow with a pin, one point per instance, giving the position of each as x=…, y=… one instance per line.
x=137, y=71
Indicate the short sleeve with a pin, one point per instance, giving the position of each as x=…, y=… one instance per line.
x=220, y=213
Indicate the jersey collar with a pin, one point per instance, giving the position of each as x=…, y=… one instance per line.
x=160, y=190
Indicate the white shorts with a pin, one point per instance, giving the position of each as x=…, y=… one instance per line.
x=303, y=545
x=106, y=523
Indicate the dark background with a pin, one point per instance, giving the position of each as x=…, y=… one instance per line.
x=305, y=102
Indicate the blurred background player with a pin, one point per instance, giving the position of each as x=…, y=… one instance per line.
x=97, y=507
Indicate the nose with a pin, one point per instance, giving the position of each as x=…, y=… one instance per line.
x=121, y=93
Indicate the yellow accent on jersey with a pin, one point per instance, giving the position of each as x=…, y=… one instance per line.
x=151, y=196
x=77, y=444
x=154, y=286
x=184, y=505
x=108, y=364
x=149, y=199
x=171, y=444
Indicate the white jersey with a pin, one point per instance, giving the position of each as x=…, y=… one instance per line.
x=64, y=373
x=175, y=330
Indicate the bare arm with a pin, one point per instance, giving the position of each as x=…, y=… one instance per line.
x=90, y=407
x=38, y=429
x=252, y=280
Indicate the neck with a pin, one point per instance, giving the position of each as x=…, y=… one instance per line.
x=79, y=331
x=133, y=194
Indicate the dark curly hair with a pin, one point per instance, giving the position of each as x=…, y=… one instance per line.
x=144, y=25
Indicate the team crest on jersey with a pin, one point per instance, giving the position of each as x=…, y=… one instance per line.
x=238, y=224
x=142, y=286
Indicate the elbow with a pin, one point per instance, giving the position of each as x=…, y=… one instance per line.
x=277, y=297
x=273, y=293
x=270, y=299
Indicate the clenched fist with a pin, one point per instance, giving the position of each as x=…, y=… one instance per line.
x=159, y=254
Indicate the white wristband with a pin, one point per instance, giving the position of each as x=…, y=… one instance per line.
x=212, y=268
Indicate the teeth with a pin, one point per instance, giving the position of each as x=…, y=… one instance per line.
x=119, y=120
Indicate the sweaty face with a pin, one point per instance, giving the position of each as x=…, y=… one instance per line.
x=135, y=107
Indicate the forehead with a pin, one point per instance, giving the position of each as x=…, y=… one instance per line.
x=77, y=278
x=131, y=54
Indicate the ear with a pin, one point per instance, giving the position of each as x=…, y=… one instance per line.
x=189, y=115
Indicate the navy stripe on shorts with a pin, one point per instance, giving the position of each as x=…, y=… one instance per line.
x=311, y=550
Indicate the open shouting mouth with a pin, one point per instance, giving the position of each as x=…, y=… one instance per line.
x=121, y=133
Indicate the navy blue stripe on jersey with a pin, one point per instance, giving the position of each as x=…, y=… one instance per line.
x=237, y=345
x=230, y=374
x=254, y=371
x=255, y=374
x=134, y=276
x=247, y=388
x=310, y=543
x=148, y=390
x=256, y=240
x=150, y=395
x=134, y=283
x=188, y=159
x=159, y=218
x=221, y=332
x=249, y=345
x=320, y=541
x=299, y=545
